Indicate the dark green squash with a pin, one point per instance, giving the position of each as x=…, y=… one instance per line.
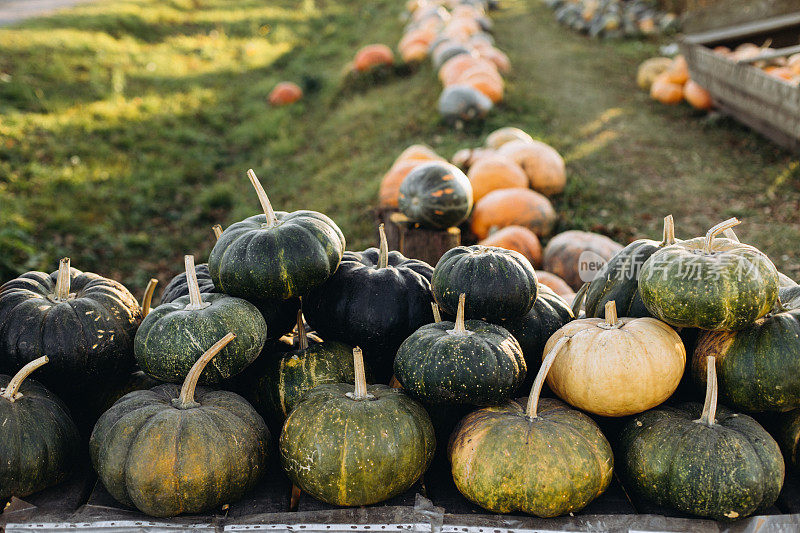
x=461, y=363
x=171, y=338
x=500, y=284
x=618, y=280
x=701, y=460
x=788, y=436
x=278, y=380
x=549, y=313
x=533, y=455
x=709, y=283
x=758, y=366
x=375, y=300
x=172, y=450
x=358, y=445
x=459, y=104
x=39, y=443
x=436, y=195
x=84, y=323
x=276, y=255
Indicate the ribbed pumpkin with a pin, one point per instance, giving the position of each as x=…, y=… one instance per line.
x=495, y=172
x=472, y=363
x=461, y=103
x=39, y=443
x=455, y=66
x=276, y=255
x=742, y=282
x=616, y=366
x=520, y=240
x=541, y=162
x=278, y=380
x=436, y=195
x=666, y=92
x=285, y=93
x=678, y=72
x=513, y=207
x=84, y=323
x=171, y=338
x=650, y=69
x=701, y=460
x=499, y=284
x=502, y=136
x=757, y=366
x=618, y=280
x=697, y=97
x=170, y=450
x=532, y=455
x=572, y=255
x=359, y=445
x=372, y=56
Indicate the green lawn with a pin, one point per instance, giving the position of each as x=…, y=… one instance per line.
x=126, y=128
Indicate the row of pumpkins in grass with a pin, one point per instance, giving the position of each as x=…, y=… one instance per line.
x=613, y=18
x=455, y=34
x=668, y=82
x=182, y=448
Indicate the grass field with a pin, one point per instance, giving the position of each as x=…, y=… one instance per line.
x=126, y=128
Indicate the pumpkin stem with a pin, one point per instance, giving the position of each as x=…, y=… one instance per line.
x=778, y=307
x=669, y=231
x=710, y=405
x=360, y=392
x=730, y=234
x=195, y=298
x=437, y=315
x=460, y=328
x=262, y=197
x=302, y=336
x=147, y=300
x=11, y=392
x=580, y=296
x=719, y=228
x=217, y=229
x=63, y=280
x=186, y=399
x=538, y=383
x=383, y=256
x=612, y=319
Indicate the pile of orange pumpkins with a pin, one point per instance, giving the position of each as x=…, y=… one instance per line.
x=455, y=35
x=786, y=69
x=669, y=83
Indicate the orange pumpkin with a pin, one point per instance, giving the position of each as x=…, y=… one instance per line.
x=558, y=285
x=513, y=207
x=678, y=72
x=373, y=55
x=495, y=172
x=389, y=190
x=490, y=87
x=519, y=239
x=418, y=152
x=697, y=96
x=497, y=57
x=416, y=37
x=793, y=62
x=665, y=91
x=562, y=255
x=455, y=66
x=782, y=73
x=541, y=162
x=465, y=158
x=414, y=53
x=285, y=93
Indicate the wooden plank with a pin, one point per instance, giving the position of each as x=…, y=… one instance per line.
x=744, y=31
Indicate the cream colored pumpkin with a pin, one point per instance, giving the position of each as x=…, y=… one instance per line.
x=616, y=366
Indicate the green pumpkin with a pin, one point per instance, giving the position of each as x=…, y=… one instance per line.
x=276, y=255
x=172, y=450
x=758, y=365
x=536, y=456
x=436, y=195
x=549, y=313
x=618, y=280
x=39, y=443
x=500, y=284
x=788, y=436
x=459, y=104
x=171, y=338
x=278, y=380
x=358, y=445
x=701, y=460
x=461, y=363
x=709, y=283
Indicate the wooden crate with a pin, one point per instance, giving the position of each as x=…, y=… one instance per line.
x=766, y=104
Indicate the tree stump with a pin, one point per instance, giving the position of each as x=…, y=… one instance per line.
x=412, y=240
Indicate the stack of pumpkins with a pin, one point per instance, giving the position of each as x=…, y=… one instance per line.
x=667, y=80
x=784, y=68
x=455, y=35
x=613, y=18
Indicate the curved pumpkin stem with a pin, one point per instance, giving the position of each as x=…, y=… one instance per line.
x=147, y=300
x=669, y=231
x=580, y=296
x=302, y=336
x=360, y=391
x=11, y=392
x=186, y=399
x=437, y=315
x=63, y=280
x=460, y=327
x=538, y=383
x=716, y=230
x=262, y=197
x=710, y=405
x=217, y=229
x=195, y=296
x=730, y=234
x=383, y=255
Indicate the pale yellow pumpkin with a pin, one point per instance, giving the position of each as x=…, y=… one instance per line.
x=616, y=366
